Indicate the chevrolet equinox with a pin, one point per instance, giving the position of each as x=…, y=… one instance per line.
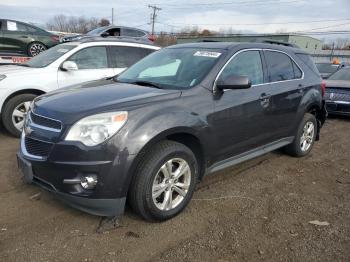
x=149, y=134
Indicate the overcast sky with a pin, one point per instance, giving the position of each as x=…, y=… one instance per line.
x=261, y=16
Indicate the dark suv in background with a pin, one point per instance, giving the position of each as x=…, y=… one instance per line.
x=18, y=38
x=151, y=133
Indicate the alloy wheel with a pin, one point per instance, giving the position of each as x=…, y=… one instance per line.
x=36, y=49
x=307, y=137
x=171, y=184
x=19, y=114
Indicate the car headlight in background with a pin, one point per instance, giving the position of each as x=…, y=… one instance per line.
x=95, y=129
x=2, y=77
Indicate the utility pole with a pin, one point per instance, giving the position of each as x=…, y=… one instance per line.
x=112, y=16
x=154, y=15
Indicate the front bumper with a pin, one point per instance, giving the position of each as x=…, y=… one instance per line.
x=60, y=173
x=338, y=107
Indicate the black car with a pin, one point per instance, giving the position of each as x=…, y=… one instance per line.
x=338, y=92
x=112, y=31
x=148, y=135
x=18, y=38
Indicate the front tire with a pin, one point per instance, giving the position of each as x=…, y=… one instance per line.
x=14, y=113
x=36, y=48
x=164, y=181
x=304, y=138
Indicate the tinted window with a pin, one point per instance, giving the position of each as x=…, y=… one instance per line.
x=248, y=64
x=297, y=71
x=308, y=62
x=124, y=56
x=91, y=58
x=280, y=66
x=132, y=33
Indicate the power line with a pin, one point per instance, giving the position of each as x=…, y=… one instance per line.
x=154, y=15
x=255, y=24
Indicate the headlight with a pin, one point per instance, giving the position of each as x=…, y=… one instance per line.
x=2, y=77
x=95, y=129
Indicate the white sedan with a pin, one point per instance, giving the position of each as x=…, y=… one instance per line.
x=61, y=66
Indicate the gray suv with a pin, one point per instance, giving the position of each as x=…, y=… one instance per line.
x=151, y=133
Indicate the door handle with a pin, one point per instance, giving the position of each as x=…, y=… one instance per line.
x=264, y=96
x=24, y=36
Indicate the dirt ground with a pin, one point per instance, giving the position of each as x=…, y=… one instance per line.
x=259, y=210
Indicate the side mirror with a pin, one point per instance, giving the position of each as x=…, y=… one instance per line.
x=104, y=34
x=233, y=82
x=69, y=66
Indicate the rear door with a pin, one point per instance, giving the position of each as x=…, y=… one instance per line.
x=122, y=57
x=92, y=64
x=286, y=89
x=2, y=43
x=240, y=120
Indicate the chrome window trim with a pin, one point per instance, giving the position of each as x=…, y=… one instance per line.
x=44, y=127
x=259, y=49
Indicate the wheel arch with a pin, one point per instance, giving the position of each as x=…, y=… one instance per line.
x=21, y=92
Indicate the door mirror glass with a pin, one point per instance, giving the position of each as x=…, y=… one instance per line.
x=104, y=34
x=233, y=82
x=69, y=66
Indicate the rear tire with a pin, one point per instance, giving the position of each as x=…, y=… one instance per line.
x=36, y=48
x=164, y=181
x=304, y=137
x=14, y=113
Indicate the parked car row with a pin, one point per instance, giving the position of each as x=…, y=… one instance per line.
x=149, y=134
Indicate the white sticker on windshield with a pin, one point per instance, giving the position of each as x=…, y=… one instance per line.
x=61, y=50
x=207, y=54
x=11, y=26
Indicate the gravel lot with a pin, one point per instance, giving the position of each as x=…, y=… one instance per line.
x=259, y=210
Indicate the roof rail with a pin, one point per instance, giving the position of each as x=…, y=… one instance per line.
x=275, y=42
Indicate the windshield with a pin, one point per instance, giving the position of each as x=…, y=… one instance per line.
x=172, y=68
x=96, y=31
x=49, y=56
x=327, y=68
x=342, y=74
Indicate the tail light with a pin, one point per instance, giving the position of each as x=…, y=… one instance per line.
x=323, y=87
x=55, y=38
x=151, y=38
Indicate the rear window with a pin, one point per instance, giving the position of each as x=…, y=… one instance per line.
x=306, y=59
x=326, y=68
x=132, y=33
x=342, y=74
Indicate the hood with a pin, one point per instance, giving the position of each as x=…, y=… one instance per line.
x=337, y=83
x=69, y=105
x=13, y=69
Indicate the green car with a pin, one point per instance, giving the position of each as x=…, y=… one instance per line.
x=18, y=38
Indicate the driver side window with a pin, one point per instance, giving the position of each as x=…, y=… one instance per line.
x=91, y=58
x=246, y=63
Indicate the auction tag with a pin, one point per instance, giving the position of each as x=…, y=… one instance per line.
x=207, y=54
x=11, y=26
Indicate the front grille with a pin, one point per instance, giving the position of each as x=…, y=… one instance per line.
x=45, y=122
x=37, y=147
x=337, y=95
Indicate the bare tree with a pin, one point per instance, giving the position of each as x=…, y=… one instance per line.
x=72, y=24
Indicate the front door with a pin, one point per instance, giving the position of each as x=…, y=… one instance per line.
x=92, y=64
x=240, y=121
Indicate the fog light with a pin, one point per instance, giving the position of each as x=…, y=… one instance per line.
x=88, y=182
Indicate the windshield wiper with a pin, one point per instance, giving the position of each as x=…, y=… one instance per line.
x=23, y=65
x=146, y=83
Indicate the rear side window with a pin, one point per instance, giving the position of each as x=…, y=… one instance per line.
x=281, y=67
x=308, y=62
x=247, y=63
x=125, y=56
